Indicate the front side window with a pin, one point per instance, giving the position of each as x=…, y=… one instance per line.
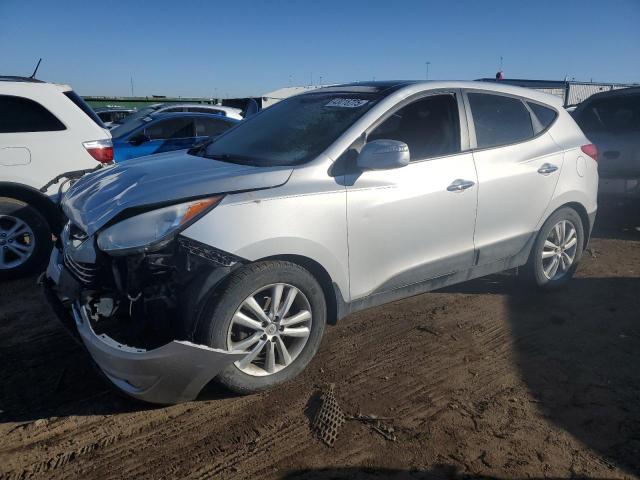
x=293, y=131
x=170, y=128
x=430, y=127
x=19, y=114
x=499, y=120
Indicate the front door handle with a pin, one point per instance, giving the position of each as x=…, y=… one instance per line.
x=547, y=168
x=460, y=185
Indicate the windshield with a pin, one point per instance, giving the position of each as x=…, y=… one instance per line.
x=138, y=115
x=128, y=126
x=291, y=132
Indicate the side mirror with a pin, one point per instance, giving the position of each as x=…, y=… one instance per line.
x=384, y=155
x=139, y=139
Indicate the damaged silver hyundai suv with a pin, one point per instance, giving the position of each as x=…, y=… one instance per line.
x=227, y=260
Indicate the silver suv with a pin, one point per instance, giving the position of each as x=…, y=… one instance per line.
x=226, y=261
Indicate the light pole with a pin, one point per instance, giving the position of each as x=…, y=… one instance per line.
x=427, y=64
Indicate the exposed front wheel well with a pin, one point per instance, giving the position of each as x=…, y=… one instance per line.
x=331, y=292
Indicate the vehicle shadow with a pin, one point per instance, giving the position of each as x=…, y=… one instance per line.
x=578, y=352
x=438, y=472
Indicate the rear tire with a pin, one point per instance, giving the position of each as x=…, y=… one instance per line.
x=286, y=345
x=556, y=252
x=25, y=239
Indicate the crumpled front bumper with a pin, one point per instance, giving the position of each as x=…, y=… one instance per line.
x=173, y=373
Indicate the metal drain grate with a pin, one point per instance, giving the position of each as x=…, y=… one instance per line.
x=329, y=417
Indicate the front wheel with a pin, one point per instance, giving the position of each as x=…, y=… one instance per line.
x=275, y=311
x=557, y=250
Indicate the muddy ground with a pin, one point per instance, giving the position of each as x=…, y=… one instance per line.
x=478, y=381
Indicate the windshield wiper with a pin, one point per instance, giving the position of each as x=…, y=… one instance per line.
x=232, y=158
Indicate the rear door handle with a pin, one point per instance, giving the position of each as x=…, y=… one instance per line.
x=460, y=185
x=547, y=168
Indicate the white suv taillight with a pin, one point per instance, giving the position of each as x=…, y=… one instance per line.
x=101, y=150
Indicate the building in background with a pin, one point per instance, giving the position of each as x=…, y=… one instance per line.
x=570, y=91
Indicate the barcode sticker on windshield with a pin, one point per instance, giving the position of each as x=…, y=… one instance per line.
x=346, y=102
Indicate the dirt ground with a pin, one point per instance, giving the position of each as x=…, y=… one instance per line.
x=481, y=380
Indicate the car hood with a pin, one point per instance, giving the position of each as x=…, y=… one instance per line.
x=97, y=198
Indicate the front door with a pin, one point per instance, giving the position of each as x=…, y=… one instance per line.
x=414, y=223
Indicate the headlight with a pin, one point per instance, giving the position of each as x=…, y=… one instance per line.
x=154, y=229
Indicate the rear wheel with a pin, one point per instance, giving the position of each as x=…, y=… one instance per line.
x=25, y=238
x=274, y=311
x=557, y=250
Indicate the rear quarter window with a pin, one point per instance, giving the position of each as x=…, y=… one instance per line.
x=545, y=115
x=499, y=120
x=82, y=105
x=19, y=114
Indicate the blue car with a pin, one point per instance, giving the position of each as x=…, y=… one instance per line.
x=164, y=132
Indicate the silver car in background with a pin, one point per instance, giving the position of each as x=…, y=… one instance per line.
x=226, y=261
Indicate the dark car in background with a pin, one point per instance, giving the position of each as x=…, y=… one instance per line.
x=111, y=116
x=165, y=132
x=611, y=120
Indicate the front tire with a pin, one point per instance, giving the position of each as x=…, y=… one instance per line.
x=558, y=248
x=25, y=239
x=273, y=310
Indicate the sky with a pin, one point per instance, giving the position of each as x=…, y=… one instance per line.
x=235, y=48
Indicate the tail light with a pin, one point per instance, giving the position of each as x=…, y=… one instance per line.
x=101, y=150
x=591, y=150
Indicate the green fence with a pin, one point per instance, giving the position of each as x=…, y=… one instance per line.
x=141, y=102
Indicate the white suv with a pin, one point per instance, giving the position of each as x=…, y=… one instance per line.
x=45, y=130
x=228, y=259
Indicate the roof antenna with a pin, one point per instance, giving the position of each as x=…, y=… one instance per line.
x=33, y=75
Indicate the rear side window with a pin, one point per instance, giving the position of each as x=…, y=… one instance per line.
x=545, y=115
x=170, y=128
x=210, y=127
x=430, y=127
x=82, y=105
x=499, y=120
x=19, y=114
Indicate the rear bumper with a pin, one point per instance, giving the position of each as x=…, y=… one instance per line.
x=619, y=187
x=173, y=373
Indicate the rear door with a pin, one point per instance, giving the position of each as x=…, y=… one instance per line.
x=518, y=166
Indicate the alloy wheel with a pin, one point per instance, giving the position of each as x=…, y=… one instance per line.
x=559, y=250
x=17, y=242
x=272, y=325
